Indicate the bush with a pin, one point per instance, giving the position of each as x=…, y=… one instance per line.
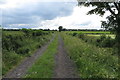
x=101, y=41
x=38, y=46
x=91, y=61
x=81, y=36
x=26, y=31
x=108, y=42
x=104, y=41
x=23, y=50
x=16, y=45
x=11, y=42
x=37, y=33
x=10, y=59
x=74, y=34
x=102, y=37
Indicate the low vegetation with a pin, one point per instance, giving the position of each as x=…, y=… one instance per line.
x=91, y=61
x=94, y=56
x=90, y=32
x=20, y=44
x=102, y=41
x=107, y=35
x=44, y=66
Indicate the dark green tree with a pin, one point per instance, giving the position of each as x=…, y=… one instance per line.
x=113, y=20
x=26, y=31
x=60, y=28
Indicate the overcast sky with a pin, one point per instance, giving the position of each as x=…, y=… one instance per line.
x=43, y=15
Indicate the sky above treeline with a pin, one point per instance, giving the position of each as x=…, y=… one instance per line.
x=38, y=14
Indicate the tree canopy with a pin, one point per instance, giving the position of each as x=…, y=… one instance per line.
x=60, y=28
x=112, y=21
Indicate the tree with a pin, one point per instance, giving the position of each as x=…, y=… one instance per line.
x=60, y=28
x=113, y=20
x=26, y=31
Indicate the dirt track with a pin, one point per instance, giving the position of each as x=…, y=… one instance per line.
x=22, y=68
x=64, y=68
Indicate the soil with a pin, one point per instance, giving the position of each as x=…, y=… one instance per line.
x=65, y=67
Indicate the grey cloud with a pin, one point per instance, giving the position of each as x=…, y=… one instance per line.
x=36, y=12
x=16, y=26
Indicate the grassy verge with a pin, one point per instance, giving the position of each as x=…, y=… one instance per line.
x=91, y=61
x=44, y=66
x=17, y=46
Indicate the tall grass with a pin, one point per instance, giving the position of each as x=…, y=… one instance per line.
x=101, y=41
x=44, y=66
x=17, y=45
x=91, y=61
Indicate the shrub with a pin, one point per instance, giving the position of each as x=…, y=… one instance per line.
x=37, y=33
x=101, y=41
x=38, y=46
x=16, y=43
x=108, y=42
x=10, y=59
x=91, y=61
x=26, y=31
x=103, y=37
x=81, y=36
x=74, y=34
x=104, y=41
x=23, y=50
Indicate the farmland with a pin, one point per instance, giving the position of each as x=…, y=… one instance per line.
x=93, y=33
x=98, y=35
x=92, y=53
x=90, y=32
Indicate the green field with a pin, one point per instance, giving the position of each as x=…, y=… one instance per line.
x=90, y=32
x=17, y=33
x=93, y=52
x=98, y=35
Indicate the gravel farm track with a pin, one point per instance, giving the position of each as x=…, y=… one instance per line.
x=64, y=66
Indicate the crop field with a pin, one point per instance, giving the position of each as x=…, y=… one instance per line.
x=94, y=33
x=90, y=32
x=98, y=35
x=86, y=54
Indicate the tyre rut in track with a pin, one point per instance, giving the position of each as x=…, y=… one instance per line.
x=64, y=66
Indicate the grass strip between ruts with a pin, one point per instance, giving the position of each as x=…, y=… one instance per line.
x=43, y=67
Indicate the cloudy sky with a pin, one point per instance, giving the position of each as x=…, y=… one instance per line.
x=38, y=14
